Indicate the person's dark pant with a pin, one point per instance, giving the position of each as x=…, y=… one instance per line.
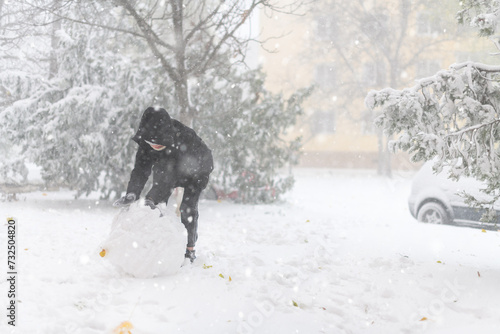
x=193, y=186
x=189, y=213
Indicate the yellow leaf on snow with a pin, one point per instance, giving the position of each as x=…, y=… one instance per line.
x=230, y=279
x=423, y=319
x=483, y=230
x=295, y=303
x=221, y=276
x=103, y=253
x=124, y=328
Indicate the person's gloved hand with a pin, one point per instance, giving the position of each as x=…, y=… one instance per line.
x=125, y=200
x=150, y=203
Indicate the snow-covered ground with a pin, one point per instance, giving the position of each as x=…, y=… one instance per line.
x=341, y=254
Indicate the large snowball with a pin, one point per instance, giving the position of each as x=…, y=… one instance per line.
x=145, y=245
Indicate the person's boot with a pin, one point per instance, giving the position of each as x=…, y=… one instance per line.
x=190, y=254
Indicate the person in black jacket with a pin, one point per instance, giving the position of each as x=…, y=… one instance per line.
x=178, y=158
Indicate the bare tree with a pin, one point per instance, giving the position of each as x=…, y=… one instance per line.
x=199, y=33
x=187, y=37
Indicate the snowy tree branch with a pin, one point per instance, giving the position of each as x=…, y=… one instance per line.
x=479, y=66
x=452, y=116
x=151, y=38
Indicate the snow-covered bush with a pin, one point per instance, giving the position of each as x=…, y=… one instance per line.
x=452, y=115
x=244, y=124
x=483, y=15
x=77, y=125
x=75, y=118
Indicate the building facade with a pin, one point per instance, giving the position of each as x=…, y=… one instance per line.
x=344, y=50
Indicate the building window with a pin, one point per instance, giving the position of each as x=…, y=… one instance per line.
x=426, y=68
x=326, y=28
x=323, y=122
x=428, y=24
x=373, y=74
x=367, y=125
x=375, y=26
x=326, y=77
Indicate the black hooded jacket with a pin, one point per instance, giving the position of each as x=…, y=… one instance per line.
x=185, y=162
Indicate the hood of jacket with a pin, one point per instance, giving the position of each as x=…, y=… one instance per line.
x=155, y=127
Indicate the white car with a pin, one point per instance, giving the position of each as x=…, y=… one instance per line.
x=434, y=198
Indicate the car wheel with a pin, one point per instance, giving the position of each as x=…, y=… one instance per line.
x=434, y=213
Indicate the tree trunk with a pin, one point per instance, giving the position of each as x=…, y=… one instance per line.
x=181, y=92
x=181, y=84
x=54, y=41
x=384, y=156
